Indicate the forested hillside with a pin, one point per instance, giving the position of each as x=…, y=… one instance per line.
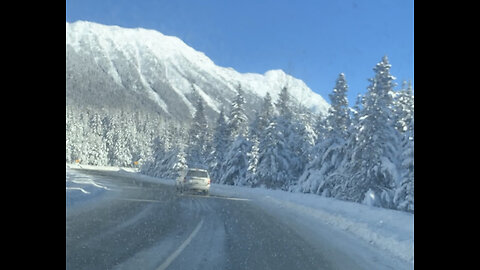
x=363, y=154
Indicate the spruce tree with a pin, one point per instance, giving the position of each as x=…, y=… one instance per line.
x=257, y=131
x=198, y=136
x=276, y=160
x=329, y=152
x=373, y=162
x=220, y=143
x=97, y=154
x=238, y=120
x=302, y=140
x=235, y=162
x=273, y=160
x=339, y=112
x=404, y=194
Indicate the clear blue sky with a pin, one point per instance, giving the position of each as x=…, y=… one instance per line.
x=313, y=40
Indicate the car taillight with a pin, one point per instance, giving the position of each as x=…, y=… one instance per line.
x=208, y=181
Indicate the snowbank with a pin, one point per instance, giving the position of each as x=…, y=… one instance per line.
x=81, y=188
x=101, y=168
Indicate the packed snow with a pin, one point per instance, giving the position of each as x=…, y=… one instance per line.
x=82, y=188
x=388, y=230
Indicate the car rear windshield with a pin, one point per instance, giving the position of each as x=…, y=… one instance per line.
x=197, y=174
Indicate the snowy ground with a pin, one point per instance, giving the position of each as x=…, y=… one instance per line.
x=388, y=230
x=82, y=188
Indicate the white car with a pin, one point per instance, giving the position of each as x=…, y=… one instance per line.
x=193, y=179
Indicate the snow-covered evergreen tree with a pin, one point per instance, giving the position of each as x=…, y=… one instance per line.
x=235, y=163
x=97, y=154
x=257, y=131
x=283, y=104
x=273, y=160
x=139, y=141
x=153, y=164
x=263, y=118
x=121, y=141
x=329, y=152
x=199, y=137
x=301, y=141
x=111, y=126
x=339, y=112
x=173, y=163
x=320, y=128
x=238, y=120
x=404, y=194
x=374, y=155
x=403, y=108
x=74, y=137
x=168, y=157
x=277, y=163
x=220, y=143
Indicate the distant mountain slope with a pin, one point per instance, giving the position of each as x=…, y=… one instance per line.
x=139, y=69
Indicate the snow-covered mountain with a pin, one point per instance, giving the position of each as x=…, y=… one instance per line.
x=139, y=69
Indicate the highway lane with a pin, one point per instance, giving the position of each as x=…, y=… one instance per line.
x=143, y=225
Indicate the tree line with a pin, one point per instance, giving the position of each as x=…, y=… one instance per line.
x=362, y=154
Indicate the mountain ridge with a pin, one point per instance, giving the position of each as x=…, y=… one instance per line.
x=112, y=66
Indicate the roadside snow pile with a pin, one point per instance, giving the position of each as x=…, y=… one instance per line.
x=101, y=168
x=387, y=229
x=81, y=188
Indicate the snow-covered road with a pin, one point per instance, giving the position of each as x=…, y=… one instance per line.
x=123, y=220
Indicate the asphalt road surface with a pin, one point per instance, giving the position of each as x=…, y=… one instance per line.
x=148, y=226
